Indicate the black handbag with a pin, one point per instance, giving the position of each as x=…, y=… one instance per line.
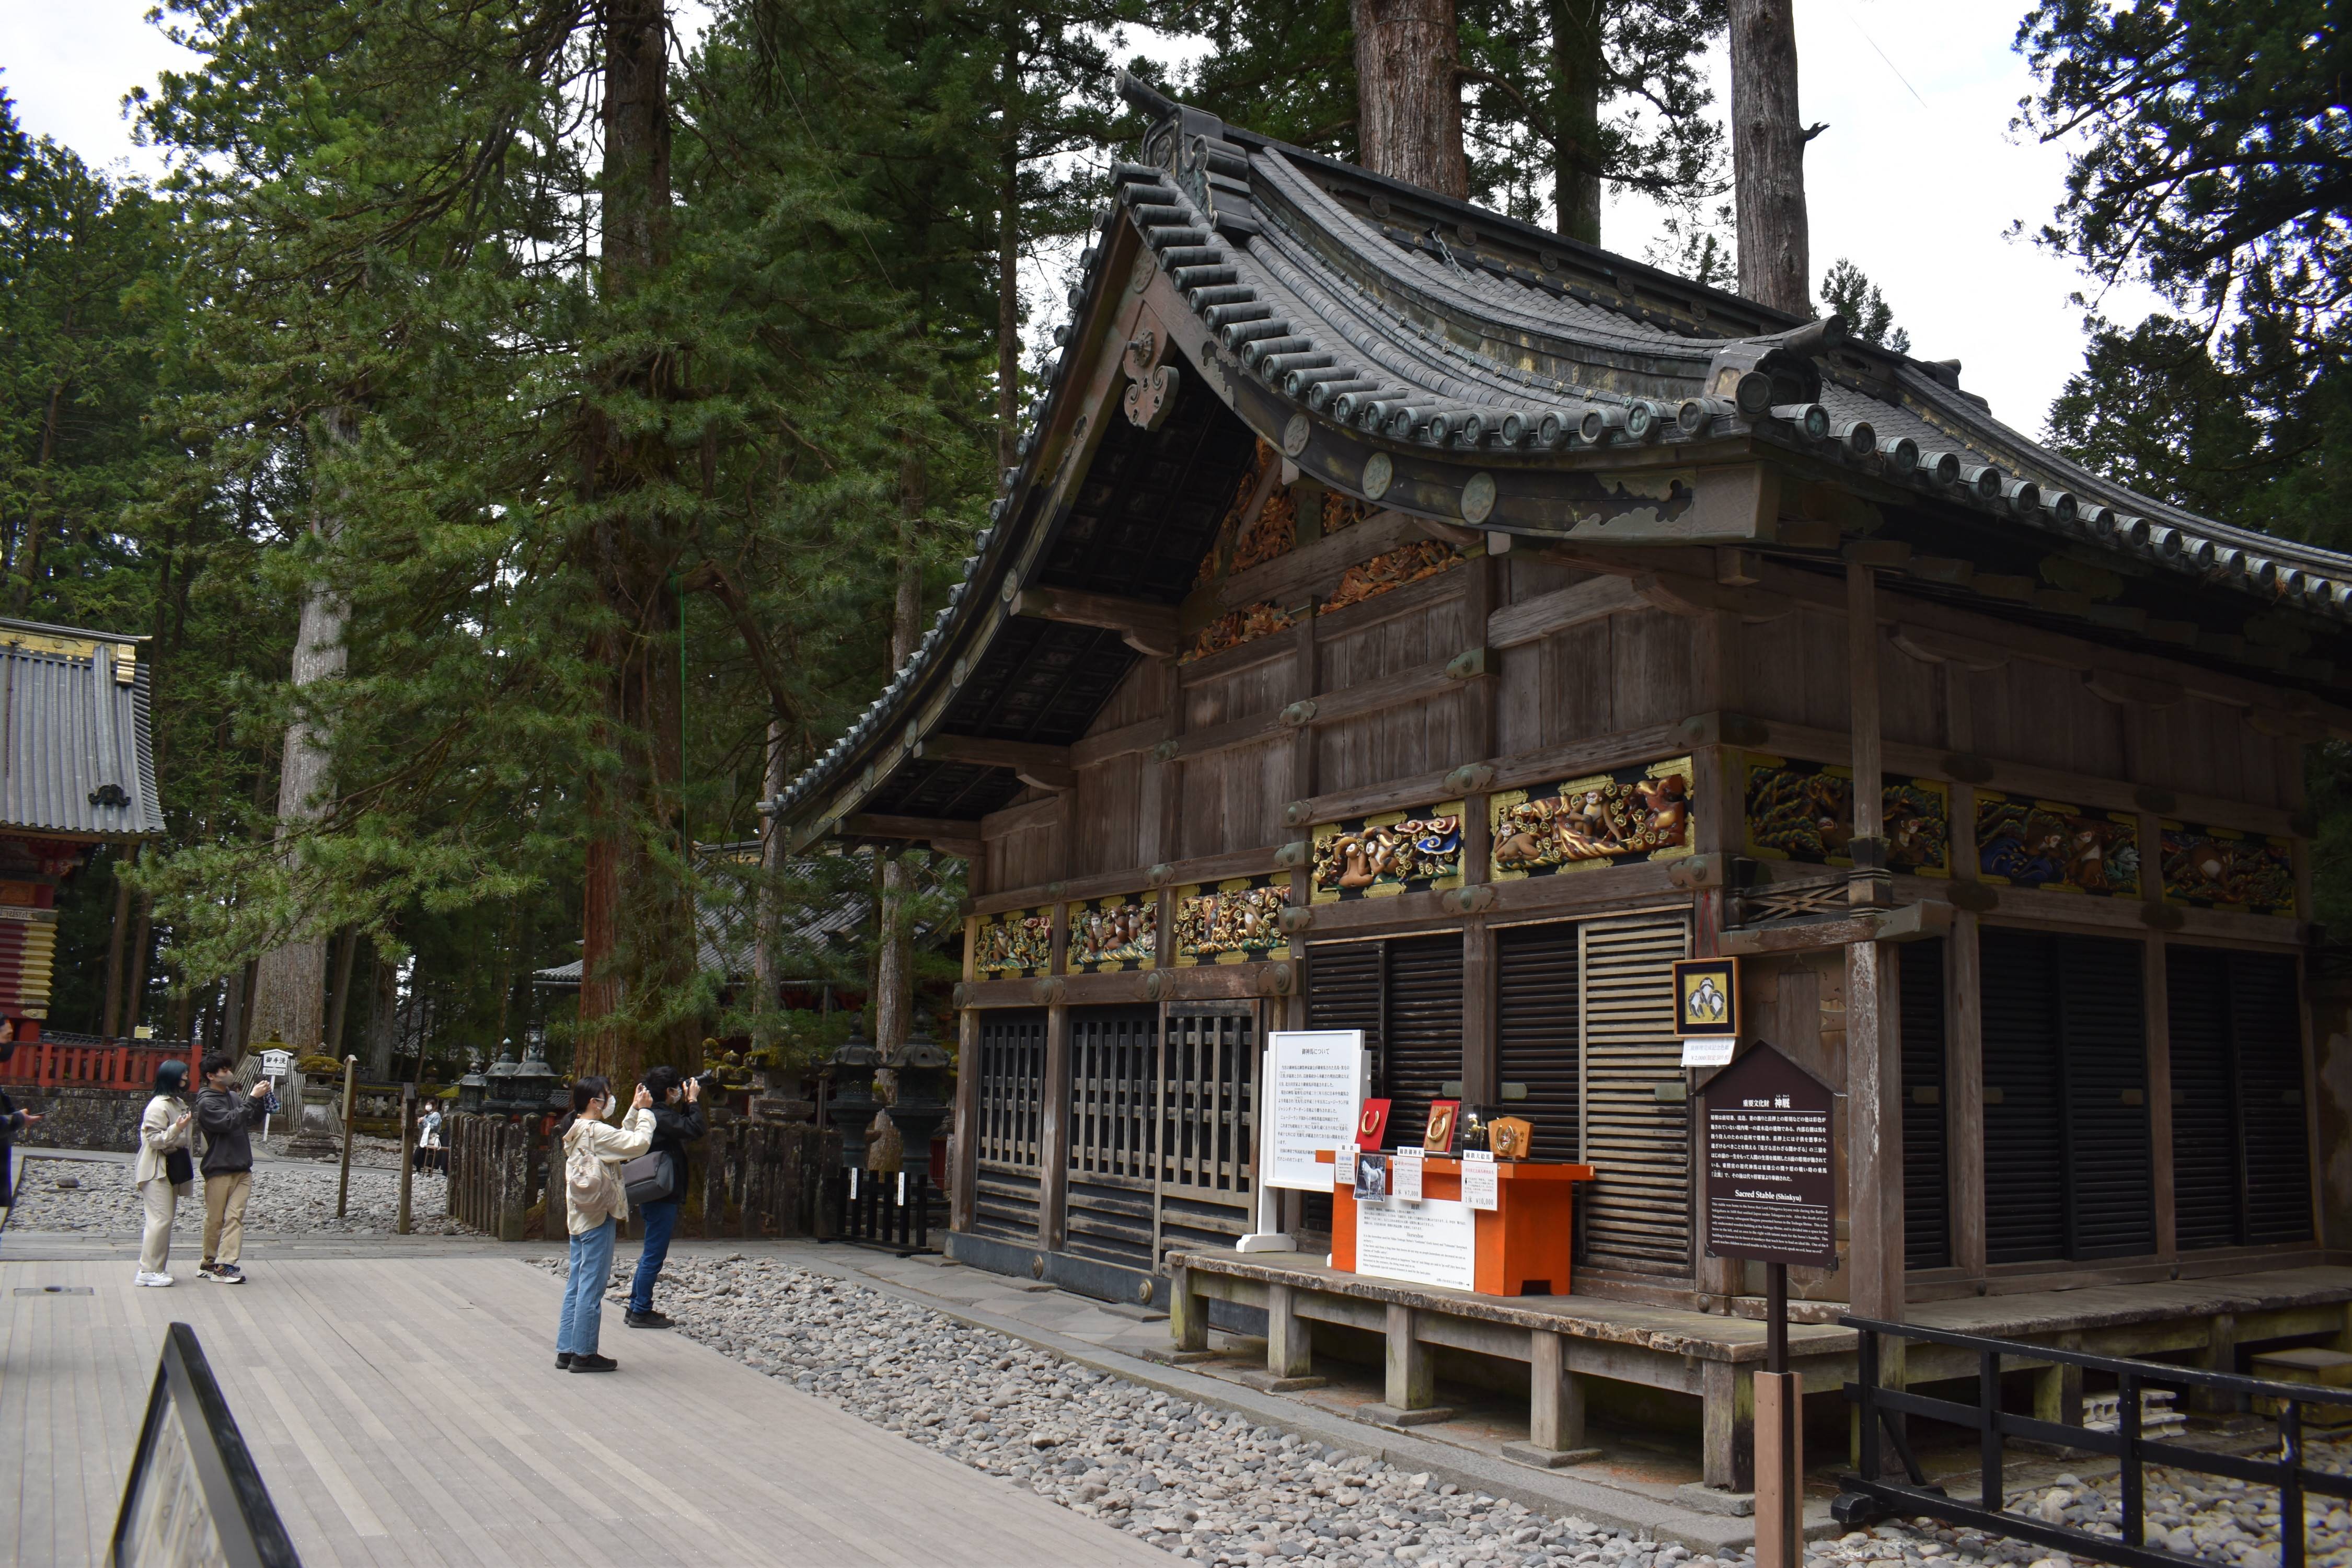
x=649, y=1179
x=178, y=1166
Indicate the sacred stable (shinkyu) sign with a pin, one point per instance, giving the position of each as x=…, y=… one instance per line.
x=1771, y=1192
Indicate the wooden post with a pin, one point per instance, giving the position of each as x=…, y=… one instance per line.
x=1289, y=1339
x=1555, y=1406
x=1779, y=1396
x=963, y=1146
x=1411, y=1379
x=1188, y=1315
x=343, y=1187
x=1873, y=1059
x=2157, y=1015
x=1054, y=1133
x=400, y=1227
x=1964, y=1094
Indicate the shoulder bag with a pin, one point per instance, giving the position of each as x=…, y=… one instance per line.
x=649, y=1178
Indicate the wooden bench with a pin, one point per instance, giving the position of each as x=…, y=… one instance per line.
x=1565, y=1340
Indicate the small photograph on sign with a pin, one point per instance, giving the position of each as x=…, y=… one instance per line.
x=1371, y=1176
x=1707, y=998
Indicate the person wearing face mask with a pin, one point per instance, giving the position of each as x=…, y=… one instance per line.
x=12, y=1121
x=595, y=1204
x=678, y=1121
x=166, y=1172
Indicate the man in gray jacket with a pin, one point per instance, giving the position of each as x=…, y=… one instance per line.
x=226, y=1119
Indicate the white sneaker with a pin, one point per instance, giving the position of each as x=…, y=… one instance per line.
x=158, y=1280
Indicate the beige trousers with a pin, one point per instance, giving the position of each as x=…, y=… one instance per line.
x=155, y=1241
x=225, y=1215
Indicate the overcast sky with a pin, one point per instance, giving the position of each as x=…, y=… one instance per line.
x=1918, y=178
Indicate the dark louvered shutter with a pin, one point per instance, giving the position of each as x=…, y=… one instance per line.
x=1927, y=1208
x=2067, y=1165
x=1638, y=1208
x=1424, y=1037
x=1536, y=1034
x=2024, y=1196
x=2266, y=1007
x=2204, y=1098
x=2111, y=1208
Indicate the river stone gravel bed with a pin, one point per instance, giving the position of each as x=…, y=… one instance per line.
x=2207, y=1517
x=1197, y=1481
x=289, y=1198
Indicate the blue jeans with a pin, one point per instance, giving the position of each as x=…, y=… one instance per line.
x=661, y=1219
x=583, y=1291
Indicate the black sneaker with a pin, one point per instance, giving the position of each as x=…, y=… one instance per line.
x=562, y=1361
x=648, y=1319
x=594, y=1363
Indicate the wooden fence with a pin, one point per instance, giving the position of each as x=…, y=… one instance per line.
x=754, y=1178
x=54, y=1064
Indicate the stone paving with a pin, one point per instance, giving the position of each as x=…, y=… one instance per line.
x=1202, y=1483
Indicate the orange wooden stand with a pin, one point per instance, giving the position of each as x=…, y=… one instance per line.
x=1523, y=1244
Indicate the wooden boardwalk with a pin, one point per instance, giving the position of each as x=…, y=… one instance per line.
x=409, y=1412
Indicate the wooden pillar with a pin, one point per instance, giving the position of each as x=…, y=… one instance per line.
x=2157, y=1013
x=1054, y=1133
x=1871, y=883
x=1873, y=1058
x=1289, y=1338
x=2220, y=1355
x=1411, y=1382
x=1727, y=1427
x=1555, y=1406
x=2058, y=1389
x=963, y=1148
x=1964, y=1093
x=1188, y=1315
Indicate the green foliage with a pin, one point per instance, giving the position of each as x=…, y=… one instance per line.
x=1847, y=292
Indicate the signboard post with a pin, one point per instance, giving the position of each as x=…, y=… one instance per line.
x=1771, y=1197
x=1310, y=1089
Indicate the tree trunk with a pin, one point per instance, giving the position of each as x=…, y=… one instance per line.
x=638, y=947
x=289, y=989
x=1408, y=98
x=894, y=968
x=135, y=994
x=183, y=1012
x=1576, y=64
x=111, y=1021
x=1768, y=157
x=339, y=1008
x=1008, y=269
x=767, y=976
x=383, y=1022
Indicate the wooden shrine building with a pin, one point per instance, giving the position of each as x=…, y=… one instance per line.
x=1405, y=618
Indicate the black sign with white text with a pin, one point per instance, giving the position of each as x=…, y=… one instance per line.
x=1771, y=1192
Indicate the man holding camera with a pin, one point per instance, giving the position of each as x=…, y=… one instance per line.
x=678, y=1121
x=227, y=1119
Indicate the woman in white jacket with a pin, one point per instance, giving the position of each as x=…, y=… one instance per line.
x=162, y=1133
x=595, y=1202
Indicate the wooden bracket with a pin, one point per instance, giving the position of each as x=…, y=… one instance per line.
x=1472, y=663
x=1150, y=629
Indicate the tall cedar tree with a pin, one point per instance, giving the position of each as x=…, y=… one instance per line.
x=1558, y=96
x=598, y=437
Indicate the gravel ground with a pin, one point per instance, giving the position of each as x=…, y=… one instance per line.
x=2197, y=1516
x=289, y=1198
x=1197, y=1481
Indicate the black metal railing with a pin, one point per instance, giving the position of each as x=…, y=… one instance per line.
x=1867, y=1496
x=193, y=1494
x=882, y=1209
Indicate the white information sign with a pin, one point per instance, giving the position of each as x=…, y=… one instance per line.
x=1343, y=1167
x=1405, y=1175
x=1707, y=1053
x=276, y=1064
x=1435, y=1243
x=1319, y=1079
x=1482, y=1187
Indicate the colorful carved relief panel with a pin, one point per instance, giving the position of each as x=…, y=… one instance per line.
x=1395, y=852
x=1112, y=934
x=2063, y=849
x=1235, y=627
x=1235, y=921
x=2220, y=867
x=1582, y=824
x=1804, y=811
x=1405, y=564
x=1015, y=943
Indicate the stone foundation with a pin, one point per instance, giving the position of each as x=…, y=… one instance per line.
x=80, y=1118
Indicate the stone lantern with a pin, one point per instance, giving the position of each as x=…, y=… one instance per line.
x=924, y=1100
x=849, y=1098
x=535, y=1081
x=473, y=1089
x=500, y=1100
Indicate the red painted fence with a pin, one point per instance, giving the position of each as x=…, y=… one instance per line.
x=52, y=1064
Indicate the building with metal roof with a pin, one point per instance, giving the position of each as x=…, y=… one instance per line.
x=77, y=770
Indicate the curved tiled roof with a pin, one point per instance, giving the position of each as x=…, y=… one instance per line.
x=1398, y=321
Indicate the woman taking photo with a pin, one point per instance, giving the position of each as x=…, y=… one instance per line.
x=596, y=1203
x=165, y=1171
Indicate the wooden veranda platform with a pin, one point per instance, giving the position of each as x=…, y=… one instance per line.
x=1567, y=1339
x=408, y=1412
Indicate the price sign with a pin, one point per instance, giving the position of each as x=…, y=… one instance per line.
x=1405, y=1175
x=1482, y=1186
x=1343, y=1166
